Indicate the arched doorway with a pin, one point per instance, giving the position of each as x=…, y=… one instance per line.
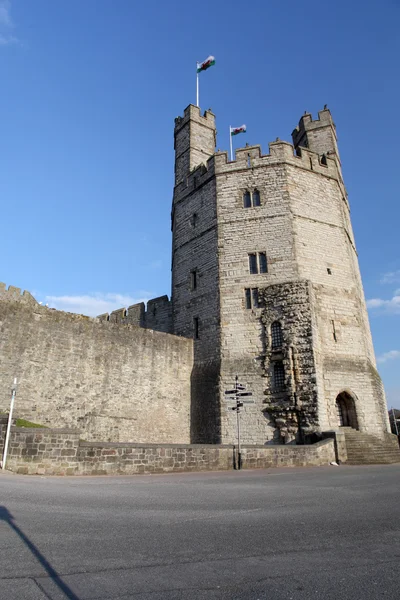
x=346, y=410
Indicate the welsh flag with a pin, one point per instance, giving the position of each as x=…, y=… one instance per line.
x=237, y=130
x=206, y=64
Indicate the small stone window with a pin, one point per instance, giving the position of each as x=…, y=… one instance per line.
x=276, y=335
x=193, y=280
x=196, y=328
x=256, y=198
x=251, y=199
x=193, y=220
x=279, y=376
x=253, y=265
x=262, y=260
x=251, y=296
x=258, y=263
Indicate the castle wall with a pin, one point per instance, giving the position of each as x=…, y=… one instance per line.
x=158, y=315
x=113, y=381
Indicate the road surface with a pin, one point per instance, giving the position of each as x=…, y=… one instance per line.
x=327, y=532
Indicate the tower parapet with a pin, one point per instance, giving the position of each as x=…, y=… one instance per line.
x=318, y=135
x=195, y=139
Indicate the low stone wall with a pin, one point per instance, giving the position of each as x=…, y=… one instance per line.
x=61, y=452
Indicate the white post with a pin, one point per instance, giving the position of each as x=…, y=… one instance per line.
x=197, y=87
x=395, y=422
x=230, y=136
x=13, y=392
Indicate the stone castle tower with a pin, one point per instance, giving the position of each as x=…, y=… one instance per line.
x=265, y=278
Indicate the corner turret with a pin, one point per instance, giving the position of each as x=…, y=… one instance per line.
x=318, y=135
x=195, y=140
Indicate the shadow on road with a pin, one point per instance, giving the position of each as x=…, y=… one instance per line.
x=6, y=516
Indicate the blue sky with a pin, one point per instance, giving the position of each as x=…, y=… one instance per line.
x=89, y=96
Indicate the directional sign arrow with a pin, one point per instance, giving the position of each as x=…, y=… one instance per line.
x=230, y=391
x=245, y=394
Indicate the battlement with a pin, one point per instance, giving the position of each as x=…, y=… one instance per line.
x=14, y=294
x=193, y=113
x=307, y=123
x=251, y=157
x=158, y=315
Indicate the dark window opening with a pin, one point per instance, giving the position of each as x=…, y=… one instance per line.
x=279, y=376
x=254, y=295
x=329, y=271
x=251, y=298
x=248, y=160
x=196, y=327
x=262, y=258
x=276, y=335
x=253, y=264
x=246, y=200
x=256, y=198
x=248, y=298
x=193, y=280
x=323, y=160
x=193, y=220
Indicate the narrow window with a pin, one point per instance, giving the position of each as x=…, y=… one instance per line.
x=256, y=198
x=246, y=200
x=262, y=258
x=311, y=165
x=334, y=331
x=253, y=264
x=329, y=271
x=248, y=160
x=193, y=220
x=279, y=376
x=254, y=297
x=276, y=335
x=193, y=280
x=196, y=327
x=248, y=297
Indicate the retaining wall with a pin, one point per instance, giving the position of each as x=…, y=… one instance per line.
x=61, y=452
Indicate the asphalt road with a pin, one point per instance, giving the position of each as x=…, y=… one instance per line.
x=328, y=533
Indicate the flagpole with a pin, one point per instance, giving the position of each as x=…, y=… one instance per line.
x=230, y=136
x=197, y=87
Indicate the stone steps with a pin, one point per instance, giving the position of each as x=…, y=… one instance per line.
x=363, y=448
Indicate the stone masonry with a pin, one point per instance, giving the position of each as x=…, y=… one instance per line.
x=267, y=238
x=114, y=381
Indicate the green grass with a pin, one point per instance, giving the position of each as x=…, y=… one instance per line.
x=24, y=423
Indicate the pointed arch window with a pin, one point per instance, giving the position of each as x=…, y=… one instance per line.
x=256, y=198
x=247, y=200
x=251, y=199
x=276, y=335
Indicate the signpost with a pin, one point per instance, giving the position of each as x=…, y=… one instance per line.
x=13, y=393
x=236, y=395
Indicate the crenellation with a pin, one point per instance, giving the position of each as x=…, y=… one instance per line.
x=14, y=294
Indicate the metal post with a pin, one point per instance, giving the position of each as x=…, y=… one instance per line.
x=13, y=392
x=239, y=462
x=197, y=88
x=230, y=139
x=395, y=422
